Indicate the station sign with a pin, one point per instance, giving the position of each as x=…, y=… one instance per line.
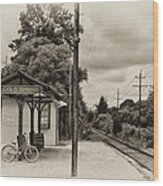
x=20, y=89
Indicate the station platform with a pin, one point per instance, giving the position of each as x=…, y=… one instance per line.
x=96, y=160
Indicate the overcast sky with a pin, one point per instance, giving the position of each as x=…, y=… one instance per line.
x=117, y=43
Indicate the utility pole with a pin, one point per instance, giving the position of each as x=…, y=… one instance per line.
x=140, y=77
x=118, y=97
x=75, y=93
x=70, y=98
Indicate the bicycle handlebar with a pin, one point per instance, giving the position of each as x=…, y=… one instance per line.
x=26, y=136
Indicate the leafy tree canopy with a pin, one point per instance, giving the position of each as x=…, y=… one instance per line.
x=45, y=44
x=53, y=22
x=102, y=107
x=127, y=103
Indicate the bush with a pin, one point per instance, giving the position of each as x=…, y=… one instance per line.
x=141, y=139
x=148, y=137
x=127, y=132
x=117, y=126
x=104, y=122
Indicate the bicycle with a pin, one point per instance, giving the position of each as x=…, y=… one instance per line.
x=11, y=151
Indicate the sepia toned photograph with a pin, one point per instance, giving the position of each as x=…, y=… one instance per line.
x=78, y=90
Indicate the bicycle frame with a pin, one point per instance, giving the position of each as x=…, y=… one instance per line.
x=12, y=151
x=20, y=150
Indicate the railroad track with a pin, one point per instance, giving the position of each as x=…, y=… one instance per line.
x=144, y=159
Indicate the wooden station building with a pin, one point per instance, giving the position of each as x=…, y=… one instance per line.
x=43, y=103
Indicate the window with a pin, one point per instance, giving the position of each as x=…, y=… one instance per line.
x=46, y=117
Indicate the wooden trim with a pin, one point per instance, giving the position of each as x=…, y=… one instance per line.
x=48, y=124
x=19, y=74
x=155, y=90
x=49, y=115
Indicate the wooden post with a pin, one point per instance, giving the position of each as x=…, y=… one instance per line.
x=60, y=125
x=56, y=129
x=140, y=77
x=32, y=120
x=20, y=102
x=56, y=120
x=32, y=109
x=20, y=127
x=39, y=121
x=70, y=100
x=39, y=114
x=31, y=125
x=1, y=104
x=75, y=94
x=32, y=116
x=140, y=89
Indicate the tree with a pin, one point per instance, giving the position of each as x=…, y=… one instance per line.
x=91, y=116
x=127, y=103
x=104, y=122
x=117, y=125
x=45, y=46
x=102, y=107
x=53, y=22
x=150, y=111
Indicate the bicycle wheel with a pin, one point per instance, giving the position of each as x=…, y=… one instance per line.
x=8, y=153
x=31, y=154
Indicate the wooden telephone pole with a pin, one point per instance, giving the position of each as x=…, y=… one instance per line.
x=140, y=77
x=118, y=97
x=75, y=93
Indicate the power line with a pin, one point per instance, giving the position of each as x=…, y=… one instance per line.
x=140, y=77
x=129, y=91
x=118, y=97
x=127, y=87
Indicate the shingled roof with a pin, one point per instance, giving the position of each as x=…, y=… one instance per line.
x=21, y=78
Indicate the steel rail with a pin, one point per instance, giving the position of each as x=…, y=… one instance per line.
x=144, y=159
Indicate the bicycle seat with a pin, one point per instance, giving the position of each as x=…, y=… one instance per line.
x=13, y=142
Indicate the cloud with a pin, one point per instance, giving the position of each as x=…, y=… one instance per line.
x=116, y=78
x=103, y=82
x=117, y=42
x=122, y=35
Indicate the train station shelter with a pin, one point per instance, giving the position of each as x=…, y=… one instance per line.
x=43, y=102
